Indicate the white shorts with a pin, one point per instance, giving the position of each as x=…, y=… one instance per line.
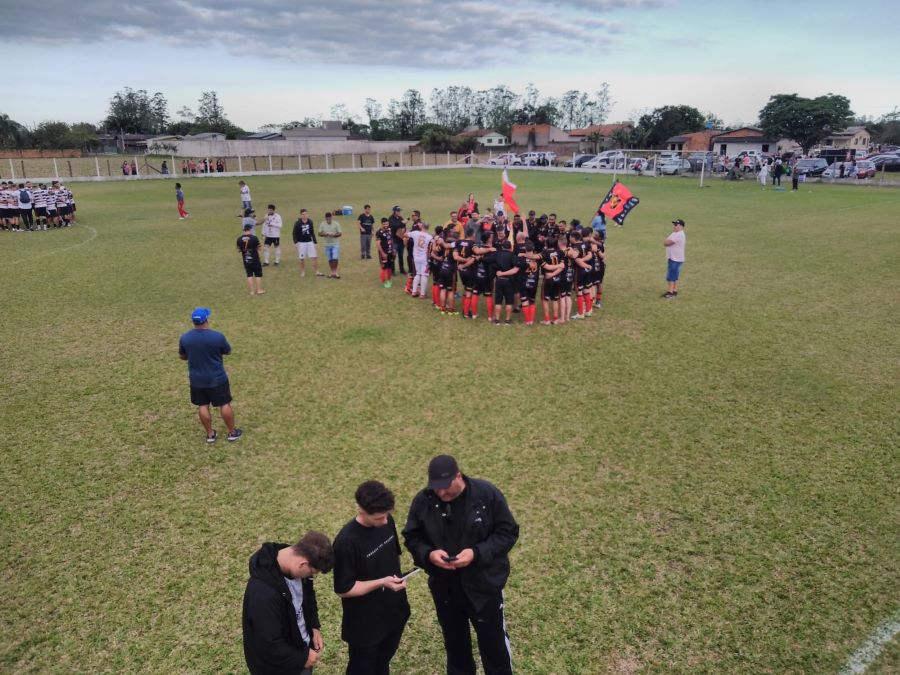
x=306, y=249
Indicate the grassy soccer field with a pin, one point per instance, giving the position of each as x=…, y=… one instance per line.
x=703, y=485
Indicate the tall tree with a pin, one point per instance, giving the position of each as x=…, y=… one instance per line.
x=667, y=121
x=807, y=121
x=12, y=134
x=210, y=110
x=134, y=111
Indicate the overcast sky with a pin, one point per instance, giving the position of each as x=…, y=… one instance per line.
x=279, y=60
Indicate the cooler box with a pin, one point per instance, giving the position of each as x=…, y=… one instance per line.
x=347, y=211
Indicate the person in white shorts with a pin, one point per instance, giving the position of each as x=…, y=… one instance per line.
x=272, y=235
x=421, y=246
x=304, y=236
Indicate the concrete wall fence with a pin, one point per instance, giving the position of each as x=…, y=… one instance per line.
x=286, y=148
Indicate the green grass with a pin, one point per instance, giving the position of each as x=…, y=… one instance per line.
x=703, y=485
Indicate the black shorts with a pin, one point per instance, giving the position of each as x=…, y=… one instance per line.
x=217, y=396
x=565, y=288
x=482, y=286
x=9, y=213
x=63, y=210
x=585, y=280
x=435, y=267
x=387, y=263
x=551, y=289
x=504, y=291
x=272, y=241
x=528, y=294
x=253, y=269
x=467, y=279
x=51, y=213
x=598, y=278
x=40, y=211
x=445, y=279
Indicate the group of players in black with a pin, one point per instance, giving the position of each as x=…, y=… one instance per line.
x=506, y=262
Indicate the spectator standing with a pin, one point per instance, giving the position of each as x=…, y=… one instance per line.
x=280, y=617
x=675, y=244
x=245, y=195
x=304, y=235
x=367, y=579
x=366, y=223
x=203, y=349
x=272, y=235
x=460, y=531
x=330, y=231
x=179, y=200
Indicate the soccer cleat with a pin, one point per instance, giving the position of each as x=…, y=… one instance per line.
x=212, y=437
x=577, y=317
x=277, y=263
x=545, y=323
x=180, y=218
x=320, y=274
x=388, y=284
x=667, y=294
x=508, y=322
x=496, y=323
x=234, y=435
x=260, y=292
x=265, y=264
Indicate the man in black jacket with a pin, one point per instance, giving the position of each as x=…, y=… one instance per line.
x=280, y=617
x=460, y=531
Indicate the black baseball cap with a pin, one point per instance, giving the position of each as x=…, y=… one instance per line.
x=396, y=208
x=441, y=472
x=247, y=227
x=678, y=222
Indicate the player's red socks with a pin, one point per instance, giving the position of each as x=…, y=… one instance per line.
x=408, y=288
x=490, y=306
x=465, y=306
x=381, y=275
x=473, y=305
x=588, y=304
x=581, y=304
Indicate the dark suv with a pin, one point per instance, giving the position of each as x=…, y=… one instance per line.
x=811, y=167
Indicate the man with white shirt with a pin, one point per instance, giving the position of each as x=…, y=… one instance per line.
x=246, y=203
x=272, y=235
x=421, y=247
x=674, y=244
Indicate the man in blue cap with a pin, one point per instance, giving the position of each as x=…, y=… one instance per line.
x=203, y=349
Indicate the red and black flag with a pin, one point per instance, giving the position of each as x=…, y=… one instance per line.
x=618, y=203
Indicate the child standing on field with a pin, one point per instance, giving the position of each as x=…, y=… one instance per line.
x=179, y=197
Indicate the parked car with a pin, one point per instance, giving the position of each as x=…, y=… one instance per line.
x=811, y=167
x=579, y=160
x=698, y=159
x=675, y=166
x=538, y=158
x=864, y=169
x=640, y=165
x=506, y=159
x=607, y=159
x=886, y=162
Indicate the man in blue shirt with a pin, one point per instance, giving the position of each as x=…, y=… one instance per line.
x=203, y=349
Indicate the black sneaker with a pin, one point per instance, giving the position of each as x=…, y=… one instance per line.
x=234, y=435
x=212, y=437
x=509, y=323
x=265, y=264
x=667, y=294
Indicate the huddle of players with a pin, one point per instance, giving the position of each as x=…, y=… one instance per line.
x=560, y=259
x=24, y=207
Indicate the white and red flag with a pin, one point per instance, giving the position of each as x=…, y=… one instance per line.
x=509, y=190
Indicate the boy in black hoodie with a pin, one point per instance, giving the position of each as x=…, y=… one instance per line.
x=280, y=617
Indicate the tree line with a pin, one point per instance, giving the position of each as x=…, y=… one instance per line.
x=448, y=111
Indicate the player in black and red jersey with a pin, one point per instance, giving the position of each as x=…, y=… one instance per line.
x=584, y=272
x=435, y=258
x=551, y=267
x=567, y=280
x=464, y=256
x=529, y=277
x=447, y=275
x=484, y=276
x=598, y=245
x=384, y=242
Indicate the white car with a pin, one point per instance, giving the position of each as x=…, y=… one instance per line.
x=675, y=166
x=606, y=160
x=506, y=159
x=537, y=158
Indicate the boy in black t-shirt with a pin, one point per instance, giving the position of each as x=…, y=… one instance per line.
x=367, y=579
x=248, y=244
x=366, y=222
